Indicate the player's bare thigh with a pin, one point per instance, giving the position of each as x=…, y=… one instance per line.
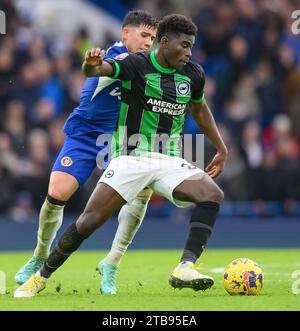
x=62, y=185
x=198, y=188
x=102, y=204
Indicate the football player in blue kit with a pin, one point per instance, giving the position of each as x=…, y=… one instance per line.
x=96, y=114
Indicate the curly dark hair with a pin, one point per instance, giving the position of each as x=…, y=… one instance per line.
x=140, y=17
x=175, y=24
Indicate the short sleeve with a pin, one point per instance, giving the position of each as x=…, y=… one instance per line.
x=115, y=53
x=198, y=82
x=123, y=66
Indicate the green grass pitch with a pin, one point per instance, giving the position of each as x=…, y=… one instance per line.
x=143, y=283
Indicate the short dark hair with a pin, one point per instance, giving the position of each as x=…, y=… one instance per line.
x=175, y=24
x=140, y=17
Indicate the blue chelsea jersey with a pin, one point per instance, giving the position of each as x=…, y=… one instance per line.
x=99, y=103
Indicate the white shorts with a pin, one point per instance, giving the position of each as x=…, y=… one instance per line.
x=128, y=175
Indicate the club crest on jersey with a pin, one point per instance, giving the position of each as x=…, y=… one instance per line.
x=122, y=56
x=109, y=174
x=66, y=161
x=183, y=88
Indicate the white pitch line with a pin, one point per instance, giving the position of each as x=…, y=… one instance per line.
x=219, y=270
x=280, y=265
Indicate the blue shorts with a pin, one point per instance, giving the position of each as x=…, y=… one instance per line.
x=78, y=157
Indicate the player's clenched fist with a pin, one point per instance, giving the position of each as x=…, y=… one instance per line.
x=94, y=56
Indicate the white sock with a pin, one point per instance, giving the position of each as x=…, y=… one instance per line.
x=130, y=218
x=51, y=217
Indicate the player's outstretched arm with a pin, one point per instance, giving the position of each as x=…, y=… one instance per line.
x=94, y=66
x=206, y=122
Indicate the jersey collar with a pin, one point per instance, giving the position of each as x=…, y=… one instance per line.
x=158, y=66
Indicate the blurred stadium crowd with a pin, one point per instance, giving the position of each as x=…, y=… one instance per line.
x=252, y=64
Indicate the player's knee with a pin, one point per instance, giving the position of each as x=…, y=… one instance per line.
x=89, y=221
x=62, y=186
x=58, y=193
x=85, y=227
x=215, y=195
